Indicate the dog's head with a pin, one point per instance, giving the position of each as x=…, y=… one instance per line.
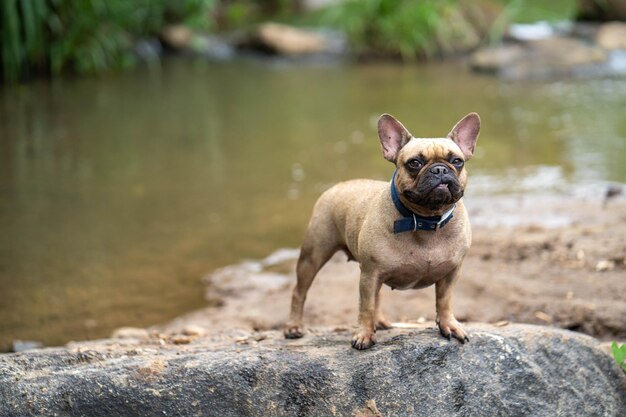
x=431, y=172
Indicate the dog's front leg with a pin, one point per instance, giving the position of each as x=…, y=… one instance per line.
x=448, y=324
x=365, y=336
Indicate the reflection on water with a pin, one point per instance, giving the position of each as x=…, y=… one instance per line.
x=118, y=193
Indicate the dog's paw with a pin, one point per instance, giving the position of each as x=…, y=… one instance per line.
x=363, y=340
x=383, y=324
x=450, y=327
x=293, y=331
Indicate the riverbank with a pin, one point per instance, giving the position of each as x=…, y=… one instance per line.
x=554, y=260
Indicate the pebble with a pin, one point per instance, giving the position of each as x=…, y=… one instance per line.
x=194, y=330
x=130, y=333
x=605, y=265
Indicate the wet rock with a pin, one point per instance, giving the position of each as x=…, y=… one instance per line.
x=148, y=50
x=176, y=36
x=511, y=370
x=285, y=40
x=24, y=345
x=612, y=35
x=182, y=39
x=495, y=60
x=541, y=59
x=212, y=47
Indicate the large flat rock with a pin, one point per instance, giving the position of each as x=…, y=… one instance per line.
x=513, y=370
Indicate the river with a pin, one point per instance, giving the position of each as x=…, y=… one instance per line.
x=118, y=192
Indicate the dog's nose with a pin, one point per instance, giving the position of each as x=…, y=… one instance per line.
x=439, y=169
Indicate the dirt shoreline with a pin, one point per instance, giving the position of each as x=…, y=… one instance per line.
x=556, y=261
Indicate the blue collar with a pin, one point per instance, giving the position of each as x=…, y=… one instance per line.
x=411, y=221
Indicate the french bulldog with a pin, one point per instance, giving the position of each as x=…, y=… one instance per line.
x=409, y=234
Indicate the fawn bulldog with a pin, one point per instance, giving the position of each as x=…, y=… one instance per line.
x=409, y=234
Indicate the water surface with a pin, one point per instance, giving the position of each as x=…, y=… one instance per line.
x=117, y=193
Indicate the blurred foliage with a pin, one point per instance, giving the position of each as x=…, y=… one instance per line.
x=84, y=36
x=235, y=14
x=527, y=11
x=390, y=26
x=91, y=36
x=427, y=28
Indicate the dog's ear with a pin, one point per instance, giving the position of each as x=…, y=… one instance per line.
x=465, y=133
x=393, y=136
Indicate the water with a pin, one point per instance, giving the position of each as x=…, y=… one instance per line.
x=117, y=193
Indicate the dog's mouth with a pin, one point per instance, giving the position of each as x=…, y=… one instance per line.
x=434, y=194
x=443, y=190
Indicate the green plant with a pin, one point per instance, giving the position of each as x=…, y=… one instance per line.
x=390, y=27
x=92, y=36
x=22, y=35
x=84, y=36
x=619, y=353
x=428, y=28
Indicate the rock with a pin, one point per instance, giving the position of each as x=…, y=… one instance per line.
x=130, y=333
x=148, y=49
x=566, y=52
x=494, y=60
x=212, y=47
x=24, y=345
x=511, y=370
x=605, y=265
x=180, y=38
x=181, y=339
x=541, y=59
x=612, y=35
x=194, y=330
x=176, y=36
x=285, y=40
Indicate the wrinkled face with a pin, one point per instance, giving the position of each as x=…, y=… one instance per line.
x=431, y=172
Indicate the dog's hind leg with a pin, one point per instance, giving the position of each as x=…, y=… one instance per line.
x=317, y=249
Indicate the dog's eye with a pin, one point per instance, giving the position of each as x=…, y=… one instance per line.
x=457, y=162
x=414, y=164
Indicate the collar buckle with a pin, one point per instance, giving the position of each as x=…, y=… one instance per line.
x=444, y=217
